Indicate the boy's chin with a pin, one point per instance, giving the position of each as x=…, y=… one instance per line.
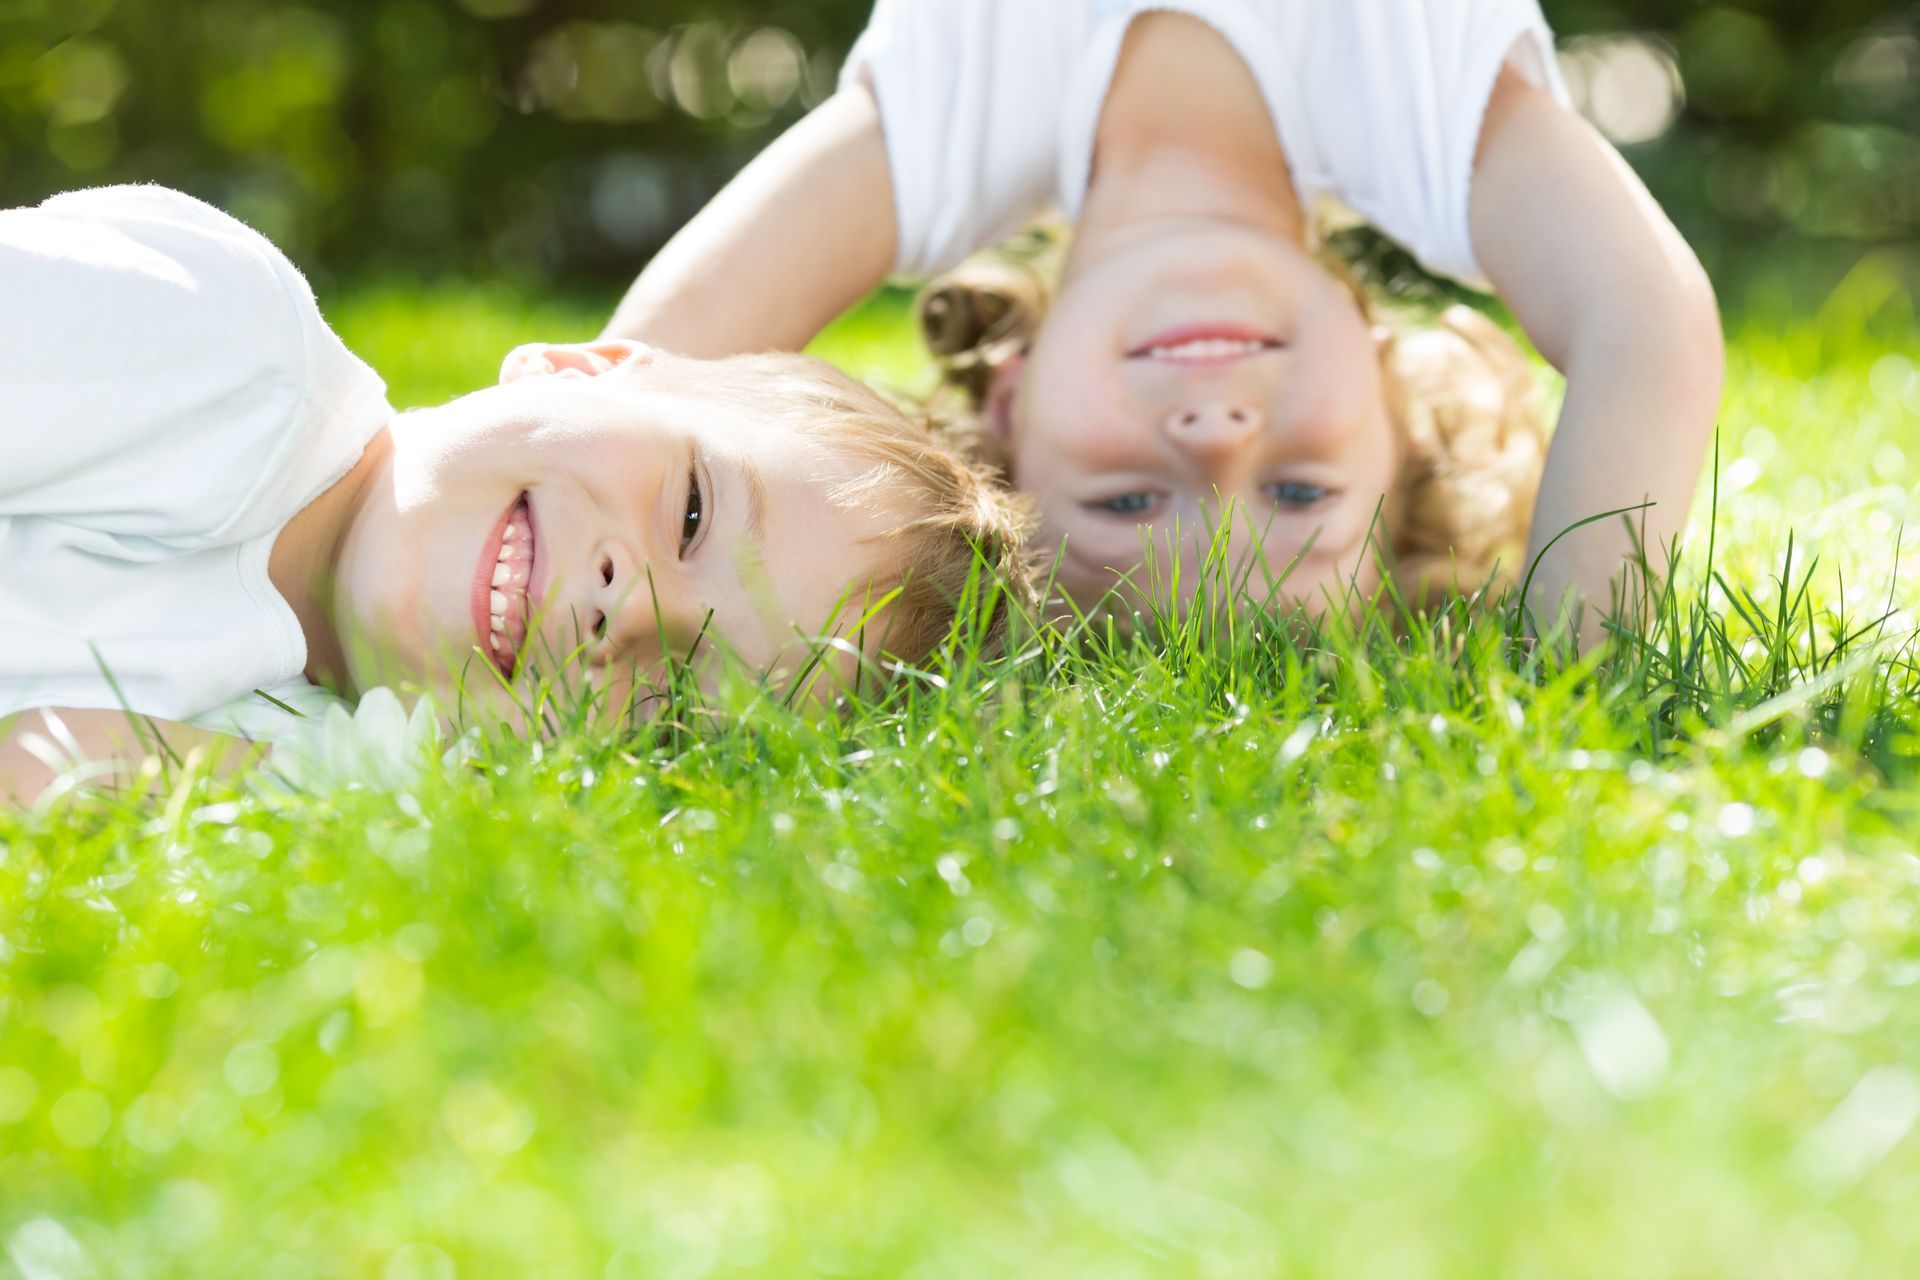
x=394, y=665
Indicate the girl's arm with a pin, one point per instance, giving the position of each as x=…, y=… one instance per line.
x=803, y=232
x=1610, y=293
x=109, y=739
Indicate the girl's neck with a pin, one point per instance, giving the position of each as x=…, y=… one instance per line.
x=1213, y=157
x=307, y=551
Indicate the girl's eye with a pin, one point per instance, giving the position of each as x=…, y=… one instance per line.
x=1125, y=504
x=1298, y=493
x=696, y=510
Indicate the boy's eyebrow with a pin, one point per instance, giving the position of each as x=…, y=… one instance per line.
x=751, y=560
x=756, y=486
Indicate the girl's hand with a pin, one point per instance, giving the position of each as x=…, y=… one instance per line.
x=802, y=233
x=1610, y=293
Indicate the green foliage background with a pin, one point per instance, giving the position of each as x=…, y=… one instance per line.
x=569, y=137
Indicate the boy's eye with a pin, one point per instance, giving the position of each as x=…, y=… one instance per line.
x=1125, y=504
x=1298, y=493
x=696, y=510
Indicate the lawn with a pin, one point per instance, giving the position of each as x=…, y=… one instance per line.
x=1212, y=953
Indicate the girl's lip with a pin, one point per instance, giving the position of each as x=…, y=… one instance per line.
x=1187, y=334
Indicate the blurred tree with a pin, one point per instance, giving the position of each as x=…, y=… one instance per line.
x=544, y=137
x=1793, y=123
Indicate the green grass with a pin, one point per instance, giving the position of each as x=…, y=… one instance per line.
x=1200, y=955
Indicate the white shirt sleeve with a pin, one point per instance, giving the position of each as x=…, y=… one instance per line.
x=970, y=95
x=1398, y=93
x=293, y=712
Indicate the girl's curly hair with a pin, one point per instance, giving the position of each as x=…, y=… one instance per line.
x=1464, y=400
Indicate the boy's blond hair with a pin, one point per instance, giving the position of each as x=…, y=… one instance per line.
x=958, y=527
x=1467, y=412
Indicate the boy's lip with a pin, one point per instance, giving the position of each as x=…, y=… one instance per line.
x=1209, y=343
x=481, y=598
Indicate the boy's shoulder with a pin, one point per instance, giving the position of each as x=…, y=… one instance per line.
x=145, y=236
x=161, y=251
x=168, y=339
x=143, y=200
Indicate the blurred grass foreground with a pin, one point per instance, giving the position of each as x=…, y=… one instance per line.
x=1201, y=955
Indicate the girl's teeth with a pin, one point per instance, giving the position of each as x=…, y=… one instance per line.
x=497, y=622
x=1208, y=349
x=497, y=602
x=501, y=574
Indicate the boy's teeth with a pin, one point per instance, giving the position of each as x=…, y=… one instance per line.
x=507, y=599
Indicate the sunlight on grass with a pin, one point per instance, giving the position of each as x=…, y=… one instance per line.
x=1217, y=950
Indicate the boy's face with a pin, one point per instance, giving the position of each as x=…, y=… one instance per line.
x=601, y=508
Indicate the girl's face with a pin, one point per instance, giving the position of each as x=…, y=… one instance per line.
x=600, y=508
x=1186, y=371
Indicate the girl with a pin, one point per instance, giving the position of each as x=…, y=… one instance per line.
x=1197, y=352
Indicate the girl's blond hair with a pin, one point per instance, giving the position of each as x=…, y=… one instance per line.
x=1464, y=400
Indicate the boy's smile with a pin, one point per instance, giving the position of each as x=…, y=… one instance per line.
x=506, y=582
x=606, y=507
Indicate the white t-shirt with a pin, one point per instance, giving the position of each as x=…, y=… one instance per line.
x=990, y=107
x=169, y=398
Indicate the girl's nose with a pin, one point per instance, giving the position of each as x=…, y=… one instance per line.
x=1214, y=428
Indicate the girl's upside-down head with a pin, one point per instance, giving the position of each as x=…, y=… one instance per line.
x=1169, y=382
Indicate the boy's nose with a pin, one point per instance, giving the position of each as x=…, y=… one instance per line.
x=1214, y=428
x=636, y=614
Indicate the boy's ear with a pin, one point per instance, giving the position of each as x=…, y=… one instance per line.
x=580, y=359
x=1000, y=394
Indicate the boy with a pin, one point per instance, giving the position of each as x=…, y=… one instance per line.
x=204, y=498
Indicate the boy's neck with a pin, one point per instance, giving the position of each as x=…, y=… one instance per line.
x=1217, y=157
x=307, y=552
